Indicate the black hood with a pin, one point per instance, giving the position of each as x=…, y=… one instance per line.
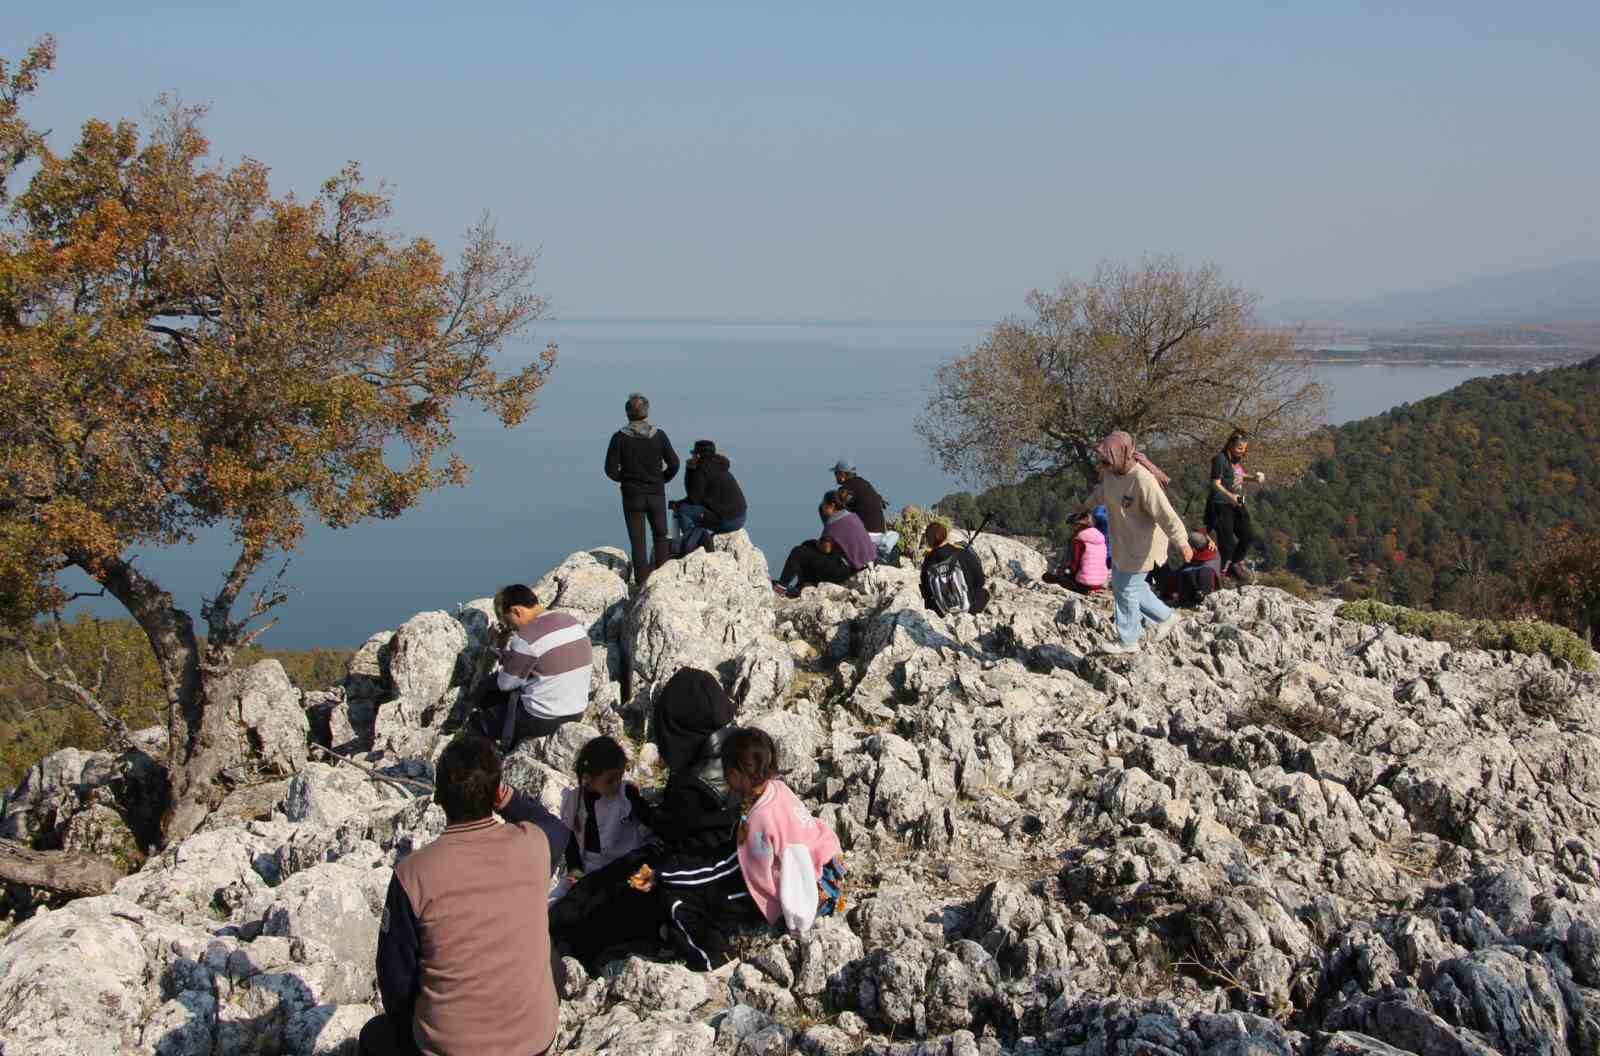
x=691, y=707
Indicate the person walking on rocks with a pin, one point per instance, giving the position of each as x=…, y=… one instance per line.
x=464, y=943
x=1226, y=516
x=1142, y=521
x=640, y=458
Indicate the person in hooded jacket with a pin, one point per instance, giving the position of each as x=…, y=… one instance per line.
x=682, y=879
x=640, y=458
x=713, y=502
x=699, y=889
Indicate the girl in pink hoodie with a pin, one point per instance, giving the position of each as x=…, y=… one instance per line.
x=772, y=818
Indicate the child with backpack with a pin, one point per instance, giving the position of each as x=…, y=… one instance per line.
x=789, y=859
x=952, y=575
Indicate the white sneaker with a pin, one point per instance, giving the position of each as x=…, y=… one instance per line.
x=1164, y=628
x=1117, y=648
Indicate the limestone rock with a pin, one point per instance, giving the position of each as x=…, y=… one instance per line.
x=270, y=715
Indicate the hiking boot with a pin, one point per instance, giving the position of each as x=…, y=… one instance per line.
x=1239, y=572
x=779, y=589
x=1119, y=648
x=1164, y=628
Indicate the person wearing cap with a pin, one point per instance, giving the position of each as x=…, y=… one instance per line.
x=640, y=459
x=713, y=503
x=859, y=496
x=543, y=671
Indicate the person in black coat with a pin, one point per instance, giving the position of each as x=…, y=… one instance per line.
x=713, y=502
x=641, y=459
x=692, y=862
x=860, y=497
x=697, y=883
x=936, y=539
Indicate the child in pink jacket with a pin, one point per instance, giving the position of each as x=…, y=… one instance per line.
x=771, y=819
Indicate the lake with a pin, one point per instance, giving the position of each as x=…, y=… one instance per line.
x=783, y=401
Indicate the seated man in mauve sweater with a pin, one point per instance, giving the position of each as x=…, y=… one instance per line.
x=843, y=550
x=464, y=961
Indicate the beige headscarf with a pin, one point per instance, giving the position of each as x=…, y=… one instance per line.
x=1117, y=451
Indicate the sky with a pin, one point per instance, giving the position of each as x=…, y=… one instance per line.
x=894, y=161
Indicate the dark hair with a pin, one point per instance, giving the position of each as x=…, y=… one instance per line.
x=1234, y=437
x=466, y=779
x=599, y=755
x=751, y=752
x=839, y=497
x=637, y=408
x=515, y=594
x=936, y=533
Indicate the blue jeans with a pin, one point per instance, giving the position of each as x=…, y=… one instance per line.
x=1135, y=598
x=692, y=527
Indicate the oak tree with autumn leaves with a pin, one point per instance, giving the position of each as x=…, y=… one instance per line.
x=182, y=348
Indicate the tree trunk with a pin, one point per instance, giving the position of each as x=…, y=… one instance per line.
x=60, y=871
x=193, y=760
x=194, y=793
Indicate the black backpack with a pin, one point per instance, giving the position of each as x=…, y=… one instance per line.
x=947, y=580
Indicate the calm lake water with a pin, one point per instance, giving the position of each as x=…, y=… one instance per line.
x=783, y=401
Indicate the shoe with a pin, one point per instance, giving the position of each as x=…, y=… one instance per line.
x=779, y=589
x=1164, y=628
x=1242, y=574
x=1119, y=648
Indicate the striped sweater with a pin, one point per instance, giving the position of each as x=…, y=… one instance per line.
x=549, y=660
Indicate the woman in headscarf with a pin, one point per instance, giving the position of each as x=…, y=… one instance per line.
x=1142, y=522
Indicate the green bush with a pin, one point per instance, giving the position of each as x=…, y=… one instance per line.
x=911, y=523
x=1286, y=581
x=1519, y=636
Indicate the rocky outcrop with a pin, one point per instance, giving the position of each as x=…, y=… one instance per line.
x=1274, y=833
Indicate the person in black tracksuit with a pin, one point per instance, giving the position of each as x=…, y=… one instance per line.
x=699, y=889
x=641, y=459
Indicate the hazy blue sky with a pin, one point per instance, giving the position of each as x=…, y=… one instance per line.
x=908, y=161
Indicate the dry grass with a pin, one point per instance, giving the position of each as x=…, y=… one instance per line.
x=1309, y=722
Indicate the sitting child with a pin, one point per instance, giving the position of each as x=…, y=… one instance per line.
x=1201, y=574
x=600, y=810
x=1084, y=566
x=772, y=819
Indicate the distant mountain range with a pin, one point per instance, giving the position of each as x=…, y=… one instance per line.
x=1563, y=293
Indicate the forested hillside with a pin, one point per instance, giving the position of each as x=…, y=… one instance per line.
x=1445, y=502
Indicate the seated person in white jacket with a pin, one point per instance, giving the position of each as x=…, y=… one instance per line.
x=600, y=810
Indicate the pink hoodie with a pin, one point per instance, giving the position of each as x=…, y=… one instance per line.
x=777, y=820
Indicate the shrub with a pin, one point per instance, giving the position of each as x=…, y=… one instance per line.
x=1286, y=581
x=911, y=523
x=1518, y=636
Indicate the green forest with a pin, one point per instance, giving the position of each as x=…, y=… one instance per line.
x=1451, y=502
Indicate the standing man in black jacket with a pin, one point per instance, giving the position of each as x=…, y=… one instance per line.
x=641, y=459
x=713, y=502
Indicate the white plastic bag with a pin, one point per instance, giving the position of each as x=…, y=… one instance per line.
x=797, y=888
